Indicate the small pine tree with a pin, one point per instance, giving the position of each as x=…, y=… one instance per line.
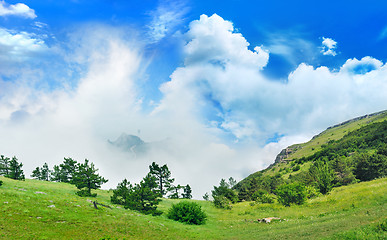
x=36, y=173
x=87, y=178
x=65, y=171
x=144, y=196
x=42, y=173
x=175, y=191
x=162, y=175
x=232, y=182
x=187, y=192
x=222, y=193
x=206, y=197
x=4, y=165
x=15, y=170
x=121, y=193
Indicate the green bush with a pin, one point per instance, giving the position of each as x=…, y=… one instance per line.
x=1, y=183
x=291, y=193
x=261, y=196
x=187, y=212
x=311, y=192
x=222, y=202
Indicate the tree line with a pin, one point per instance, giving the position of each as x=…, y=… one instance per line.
x=143, y=196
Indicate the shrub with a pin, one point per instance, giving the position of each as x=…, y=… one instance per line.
x=187, y=212
x=291, y=193
x=311, y=192
x=261, y=196
x=1, y=183
x=222, y=202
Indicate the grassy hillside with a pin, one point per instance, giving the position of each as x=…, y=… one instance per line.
x=286, y=167
x=34, y=209
x=334, y=133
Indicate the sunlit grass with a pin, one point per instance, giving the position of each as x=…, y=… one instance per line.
x=26, y=214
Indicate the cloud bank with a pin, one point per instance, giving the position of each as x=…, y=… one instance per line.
x=18, y=9
x=219, y=115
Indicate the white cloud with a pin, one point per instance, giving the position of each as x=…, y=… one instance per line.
x=167, y=16
x=365, y=65
x=219, y=94
x=328, y=47
x=19, y=45
x=18, y=9
x=219, y=68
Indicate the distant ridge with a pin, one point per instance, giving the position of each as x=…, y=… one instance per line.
x=358, y=118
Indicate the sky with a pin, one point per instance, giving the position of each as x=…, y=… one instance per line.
x=221, y=86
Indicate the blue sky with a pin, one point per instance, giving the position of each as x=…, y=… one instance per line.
x=219, y=83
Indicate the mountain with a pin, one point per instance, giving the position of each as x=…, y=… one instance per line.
x=342, y=146
x=130, y=143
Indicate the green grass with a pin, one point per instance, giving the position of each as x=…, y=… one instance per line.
x=335, y=133
x=346, y=212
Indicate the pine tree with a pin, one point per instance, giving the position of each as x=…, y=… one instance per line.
x=36, y=173
x=163, y=177
x=65, y=171
x=121, y=193
x=15, y=170
x=42, y=173
x=45, y=172
x=144, y=196
x=187, y=192
x=175, y=191
x=4, y=165
x=87, y=178
x=206, y=196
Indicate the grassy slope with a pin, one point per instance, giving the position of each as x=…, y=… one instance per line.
x=335, y=133
x=24, y=214
x=314, y=145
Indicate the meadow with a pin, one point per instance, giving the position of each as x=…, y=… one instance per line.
x=33, y=209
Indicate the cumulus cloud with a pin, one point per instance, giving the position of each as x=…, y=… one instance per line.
x=221, y=73
x=18, y=46
x=328, y=47
x=214, y=120
x=167, y=16
x=18, y=9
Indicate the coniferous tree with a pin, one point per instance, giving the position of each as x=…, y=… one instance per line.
x=175, y=191
x=232, y=182
x=42, y=173
x=187, y=192
x=4, y=165
x=206, y=196
x=45, y=172
x=144, y=197
x=122, y=193
x=87, y=178
x=36, y=173
x=163, y=177
x=15, y=170
x=65, y=171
